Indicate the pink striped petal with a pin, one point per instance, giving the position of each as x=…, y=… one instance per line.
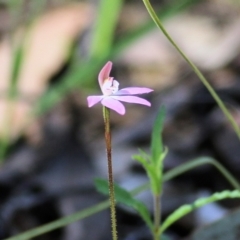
x=92, y=100
x=114, y=105
x=104, y=73
x=134, y=90
x=132, y=99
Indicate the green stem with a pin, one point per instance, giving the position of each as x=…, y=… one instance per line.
x=157, y=214
x=101, y=206
x=198, y=162
x=43, y=229
x=194, y=67
x=106, y=116
x=185, y=167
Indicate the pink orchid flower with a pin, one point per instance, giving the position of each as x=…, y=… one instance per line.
x=112, y=96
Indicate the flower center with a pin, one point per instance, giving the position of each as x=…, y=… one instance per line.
x=110, y=86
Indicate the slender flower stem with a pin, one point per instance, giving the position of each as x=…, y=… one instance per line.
x=157, y=213
x=211, y=90
x=106, y=116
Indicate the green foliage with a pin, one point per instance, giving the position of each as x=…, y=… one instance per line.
x=85, y=73
x=187, y=208
x=103, y=205
x=126, y=198
x=188, y=166
x=165, y=12
x=153, y=164
x=16, y=67
x=11, y=97
x=195, y=69
x=61, y=222
x=156, y=141
x=151, y=171
x=105, y=24
x=199, y=162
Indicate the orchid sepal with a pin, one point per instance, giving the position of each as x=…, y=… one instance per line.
x=112, y=95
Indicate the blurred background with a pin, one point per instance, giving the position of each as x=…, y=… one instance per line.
x=52, y=144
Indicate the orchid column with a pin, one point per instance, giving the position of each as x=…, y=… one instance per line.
x=111, y=100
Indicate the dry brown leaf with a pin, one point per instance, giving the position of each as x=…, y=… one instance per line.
x=209, y=46
x=47, y=44
x=151, y=60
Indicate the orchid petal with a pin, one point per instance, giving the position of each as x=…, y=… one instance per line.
x=104, y=73
x=112, y=96
x=114, y=105
x=133, y=90
x=107, y=86
x=132, y=99
x=92, y=100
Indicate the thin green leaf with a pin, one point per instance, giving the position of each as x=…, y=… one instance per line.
x=105, y=24
x=159, y=163
x=121, y=195
x=85, y=73
x=18, y=56
x=145, y=155
x=16, y=66
x=185, y=209
x=141, y=160
x=171, y=9
x=103, y=205
x=152, y=172
x=156, y=141
x=185, y=167
x=124, y=197
x=155, y=181
x=195, y=69
x=144, y=213
x=199, y=162
x=71, y=80
x=61, y=222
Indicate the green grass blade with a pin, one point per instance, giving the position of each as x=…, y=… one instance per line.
x=82, y=75
x=105, y=24
x=103, y=205
x=195, y=69
x=85, y=73
x=165, y=12
x=156, y=140
x=199, y=162
x=187, y=208
x=18, y=56
x=61, y=222
x=126, y=198
x=185, y=167
x=16, y=67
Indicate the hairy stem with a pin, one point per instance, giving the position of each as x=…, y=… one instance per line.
x=106, y=116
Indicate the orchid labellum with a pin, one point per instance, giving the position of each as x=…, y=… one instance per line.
x=112, y=95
